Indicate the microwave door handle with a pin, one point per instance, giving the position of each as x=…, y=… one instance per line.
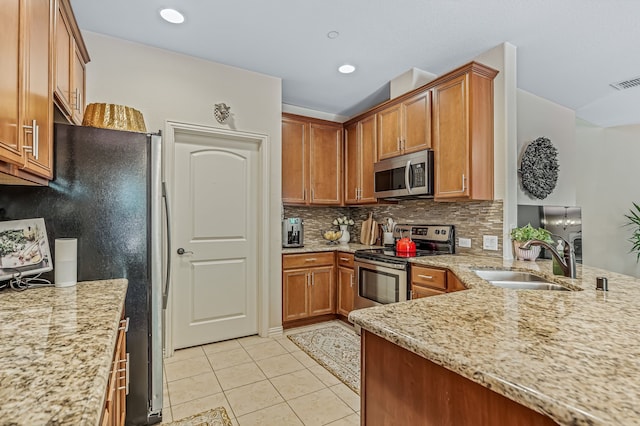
x=407, y=181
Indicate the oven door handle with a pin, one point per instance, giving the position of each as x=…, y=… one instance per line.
x=407, y=171
x=369, y=263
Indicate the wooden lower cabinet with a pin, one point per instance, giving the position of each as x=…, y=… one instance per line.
x=115, y=406
x=426, y=281
x=346, y=290
x=308, y=292
x=399, y=387
x=346, y=283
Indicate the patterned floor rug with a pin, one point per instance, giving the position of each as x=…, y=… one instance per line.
x=216, y=417
x=336, y=348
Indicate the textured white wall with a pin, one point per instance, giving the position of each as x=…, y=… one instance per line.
x=607, y=183
x=503, y=59
x=165, y=85
x=539, y=117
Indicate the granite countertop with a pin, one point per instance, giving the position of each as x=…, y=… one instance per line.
x=56, y=346
x=316, y=246
x=571, y=355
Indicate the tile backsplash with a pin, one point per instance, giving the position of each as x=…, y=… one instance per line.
x=472, y=219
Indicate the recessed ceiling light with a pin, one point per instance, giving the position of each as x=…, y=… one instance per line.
x=333, y=34
x=346, y=69
x=172, y=15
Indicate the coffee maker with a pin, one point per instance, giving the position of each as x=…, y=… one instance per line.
x=292, y=232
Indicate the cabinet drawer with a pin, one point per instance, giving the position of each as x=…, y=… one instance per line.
x=429, y=277
x=345, y=259
x=305, y=260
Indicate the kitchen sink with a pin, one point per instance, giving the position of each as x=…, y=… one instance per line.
x=517, y=280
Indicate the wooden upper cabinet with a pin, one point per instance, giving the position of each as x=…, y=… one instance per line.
x=294, y=161
x=63, y=61
x=26, y=114
x=416, y=123
x=351, y=166
x=405, y=127
x=70, y=59
x=389, y=132
x=10, y=144
x=37, y=115
x=360, y=156
x=463, y=134
x=78, y=87
x=325, y=164
x=312, y=161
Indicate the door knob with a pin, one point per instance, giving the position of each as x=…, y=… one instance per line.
x=182, y=251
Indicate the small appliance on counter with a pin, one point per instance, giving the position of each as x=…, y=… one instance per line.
x=292, y=232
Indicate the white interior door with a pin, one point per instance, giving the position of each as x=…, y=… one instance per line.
x=216, y=205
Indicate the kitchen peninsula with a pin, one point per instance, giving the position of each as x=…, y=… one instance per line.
x=571, y=356
x=57, y=347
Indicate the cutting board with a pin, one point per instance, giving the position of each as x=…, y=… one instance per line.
x=365, y=231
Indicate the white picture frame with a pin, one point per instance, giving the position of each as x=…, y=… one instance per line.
x=24, y=248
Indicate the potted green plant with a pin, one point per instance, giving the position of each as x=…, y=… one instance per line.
x=634, y=220
x=520, y=235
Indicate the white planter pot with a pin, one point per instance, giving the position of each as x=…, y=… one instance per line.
x=530, y=254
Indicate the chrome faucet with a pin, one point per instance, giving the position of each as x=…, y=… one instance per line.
x=568, y=259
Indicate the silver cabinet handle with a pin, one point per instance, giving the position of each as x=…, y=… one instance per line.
x=407, y=170
x=346, y=259
x=311, y=259
x=351, y=280
x=464, y=181
x=426, y=277
x=35, y=136
x=182, y=251
x=124, y=324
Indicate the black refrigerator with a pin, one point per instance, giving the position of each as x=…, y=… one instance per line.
x=108, y=193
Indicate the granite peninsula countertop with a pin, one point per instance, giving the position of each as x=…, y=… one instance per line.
x=56, y=347
x=571, y=355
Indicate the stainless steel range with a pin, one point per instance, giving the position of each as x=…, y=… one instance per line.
x=383, y=274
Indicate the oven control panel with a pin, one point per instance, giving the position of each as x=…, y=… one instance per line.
x=424, y=232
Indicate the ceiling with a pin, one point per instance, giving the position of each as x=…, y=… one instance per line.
x=569, y=51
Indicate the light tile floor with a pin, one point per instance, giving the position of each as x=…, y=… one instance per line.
x=260, y=381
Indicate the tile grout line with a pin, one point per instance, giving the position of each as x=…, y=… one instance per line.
x=235, y=417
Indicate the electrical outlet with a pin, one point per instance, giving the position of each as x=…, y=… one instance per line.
x=489, y=242
x=464, y=242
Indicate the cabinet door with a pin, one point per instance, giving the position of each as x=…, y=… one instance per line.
x=368, y=157
x=321, y=295
x=454, y=283
x=10, y=146
x=37, y=99
x=418, y=292
x=346, y=290
x=351, y=165
x=416, y=123
x=389, y=130
x=63, y=61
x=78, y=88
x=294, y=161
x=294, y=294
x=325, y=164
x=451, y=138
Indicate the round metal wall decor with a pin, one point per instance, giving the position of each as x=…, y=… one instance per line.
x=539, y=168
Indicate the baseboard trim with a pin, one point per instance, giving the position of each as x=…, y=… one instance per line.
x=275, y=331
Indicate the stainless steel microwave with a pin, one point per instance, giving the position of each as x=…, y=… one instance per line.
x=406, y=176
